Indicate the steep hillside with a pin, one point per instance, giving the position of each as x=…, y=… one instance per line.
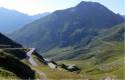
x=71, y=27
x=13, y=65
x=13, y=59
x=6, y=42
x=113, y=37
x=101, y=59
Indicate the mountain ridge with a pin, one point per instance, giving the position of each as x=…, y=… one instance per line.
x=72, y=29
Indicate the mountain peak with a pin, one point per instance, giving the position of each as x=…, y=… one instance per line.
x=83, y=2
x=88, y=3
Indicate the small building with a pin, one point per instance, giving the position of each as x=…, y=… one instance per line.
x=71, y=67
x=50, y=63
x=52, y=66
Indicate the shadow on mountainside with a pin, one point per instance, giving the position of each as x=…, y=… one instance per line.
x=18, y=68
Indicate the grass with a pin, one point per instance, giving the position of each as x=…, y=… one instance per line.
x=17, y=66
x=98, y=71
x=104, y=58
x=57, y=74
x=112, y=66
x=4, y=74
x=108, y=61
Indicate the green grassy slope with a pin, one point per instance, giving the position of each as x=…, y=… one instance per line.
x=103, y=57
x=11, y=61
x=14, y=65
x=108, y=40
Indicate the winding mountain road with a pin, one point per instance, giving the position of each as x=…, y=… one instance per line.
x=29, y=55
x=34, y=63
x=31, y=60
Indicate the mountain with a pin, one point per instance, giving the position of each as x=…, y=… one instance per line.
x=37, y=16
x=72, y=27
x=11, y=20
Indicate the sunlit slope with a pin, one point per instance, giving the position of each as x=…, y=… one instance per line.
x=109, y=41
x=104, y=57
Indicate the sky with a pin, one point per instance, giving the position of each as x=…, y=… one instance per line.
x=32, y=7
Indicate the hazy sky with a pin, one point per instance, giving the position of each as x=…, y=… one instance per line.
x=32, y=7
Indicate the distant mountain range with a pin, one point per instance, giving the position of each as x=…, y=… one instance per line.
x=11, y=20
x=72, y=27
x=37, y=16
